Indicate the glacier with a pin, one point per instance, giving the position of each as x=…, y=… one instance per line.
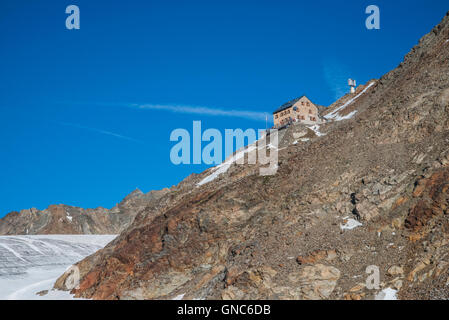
x=32, y=263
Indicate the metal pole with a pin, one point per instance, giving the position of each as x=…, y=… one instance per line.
x=266, y=123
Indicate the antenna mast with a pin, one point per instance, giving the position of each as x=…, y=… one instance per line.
x=352, y=84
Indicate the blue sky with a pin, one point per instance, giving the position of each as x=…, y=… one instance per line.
x=72, y=129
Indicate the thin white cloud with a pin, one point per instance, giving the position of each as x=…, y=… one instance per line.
x=252, y=115
x=108, y=133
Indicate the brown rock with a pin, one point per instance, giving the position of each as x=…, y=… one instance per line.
x=316, y=256
x=395, y=271
x=317, y=282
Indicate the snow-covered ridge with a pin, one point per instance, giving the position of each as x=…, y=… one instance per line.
x=334, y=114
x=224, y=167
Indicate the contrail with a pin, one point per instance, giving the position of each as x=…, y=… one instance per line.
x=259, y=116
x=188, y=109
x=74, y=125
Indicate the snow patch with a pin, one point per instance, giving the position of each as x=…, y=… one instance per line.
x=316, y=129
x=346, y=117
x=387, y=294
x=179, y=297
x=295, y=142
x=334, y=114
x=224, y=167
x=350, y=224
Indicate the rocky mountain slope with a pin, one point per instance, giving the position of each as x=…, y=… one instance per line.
x=383, y=155
x=63, y=219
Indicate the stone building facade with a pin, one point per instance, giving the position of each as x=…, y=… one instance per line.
x=298, y=110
